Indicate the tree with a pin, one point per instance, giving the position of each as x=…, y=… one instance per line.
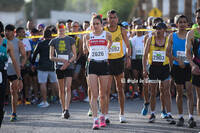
x=188, y=9
x=123, y=7
x=11, y=5
x=173, y=8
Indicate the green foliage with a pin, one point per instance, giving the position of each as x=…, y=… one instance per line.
x=123, y=7
x=11, y=5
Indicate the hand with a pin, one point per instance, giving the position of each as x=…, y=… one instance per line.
x=22, y=66
x=65, y=65
x=181, y=64
x=145, y=73
x=195, y=70
x=20, y=85
x=128, y=63
x=33, y=68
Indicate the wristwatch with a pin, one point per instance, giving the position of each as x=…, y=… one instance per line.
x=19, y=78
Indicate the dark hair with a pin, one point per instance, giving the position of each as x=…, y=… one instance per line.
x=47, y=33
x=34, y=31
x=69, y=21
x=75, y=22
x=98, y=17
x=87, y=22
x=10, y=27
x=156, y=20
x=178, y=17
x=160, y=25
x=19, y=28
x=198, y=10
x=61, y=22
x=1, y=27
x=111, y=12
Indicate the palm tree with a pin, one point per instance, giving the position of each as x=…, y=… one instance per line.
x=188, y=9
x=173, y=8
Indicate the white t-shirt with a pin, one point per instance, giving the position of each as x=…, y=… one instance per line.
x=27, y=44
x=137, y=46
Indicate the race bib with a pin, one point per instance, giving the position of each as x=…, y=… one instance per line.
x=139, y=53
x=98, y=53
x=66, y=57
x=115, y=48
x=1, y=79
x=158, y=56
x=181, y=55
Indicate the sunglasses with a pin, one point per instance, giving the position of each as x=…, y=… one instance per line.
x=61, y=27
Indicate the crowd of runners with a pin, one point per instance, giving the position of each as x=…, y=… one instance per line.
x=144, y=57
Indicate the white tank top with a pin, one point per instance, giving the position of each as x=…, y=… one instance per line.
x=98, y=49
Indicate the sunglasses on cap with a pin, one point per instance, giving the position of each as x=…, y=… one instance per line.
x=61, y=26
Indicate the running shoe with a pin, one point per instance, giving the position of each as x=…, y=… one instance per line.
x=43, y=104
x=13, y=117
x=27, y=102
x=102, y=121
x=19, y=102
x=152, y=118
x=122, y=119
x=34, y=101
x=170, y=119
x=145, y=109
x=66, y=114
x=163, y=115
x=90, y=112
x=180, y=122
x=95, y=125
x=191, y=123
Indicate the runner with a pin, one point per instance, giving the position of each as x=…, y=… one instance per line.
x=192, y=42
x=137, y=53
x=46, y=68
x=20, y=34
x=12, y=75
x=154, y=52
x=116, y=58
x=146, y=85
x=181, y=68
x=33, y=72
x=66, y=55
x=98, y=42
x=6, y=48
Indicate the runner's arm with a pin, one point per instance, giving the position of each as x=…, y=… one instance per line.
x=23, y=53
x=189, y=39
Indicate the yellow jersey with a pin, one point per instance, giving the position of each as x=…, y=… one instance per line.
x=116, y=50
x=157, y=53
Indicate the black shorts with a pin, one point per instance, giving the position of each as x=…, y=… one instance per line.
x=181, y=75
x=64, y=73
x=25, y=71
x=116, y=66
x=98, y=68
x=12, y=77
x=32, y=74
x=157, y=72
x=136, y=65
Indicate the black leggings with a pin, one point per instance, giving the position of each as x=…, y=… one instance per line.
x=2, y=94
